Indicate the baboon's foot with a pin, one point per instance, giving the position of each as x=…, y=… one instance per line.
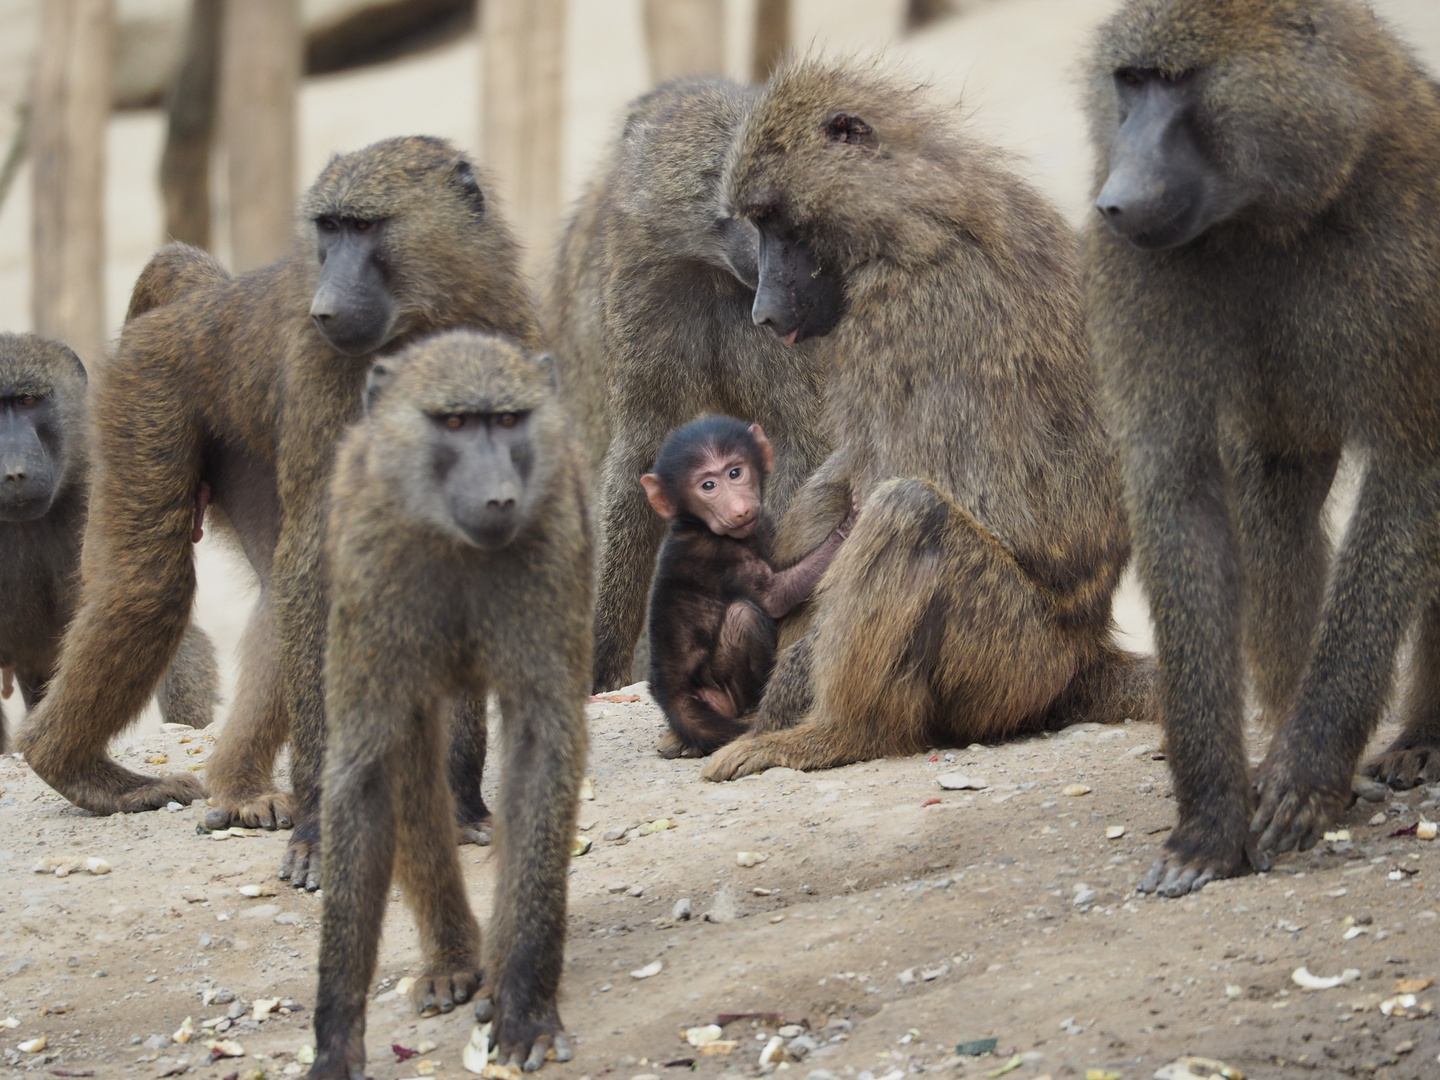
x=1297, y=804
x=670, y=745
x=345, y=1060
x=160, y=791
x=267, y=810
x=742, y=757
x=524, y=1042
x=1214, y=844
x=441, y=993
x=301, y=865
x=1404, y=765
x=103, y=786
x=476, y=832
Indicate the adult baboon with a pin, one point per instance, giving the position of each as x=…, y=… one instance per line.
x=43, y=497
x=460, y=556
x=245, y=384
x=649, y=315
x=1264, y=277
x=972, y=598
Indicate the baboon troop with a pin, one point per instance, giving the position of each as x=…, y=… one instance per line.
x=43, y=500
x=1264, y=292
x=459, y=552
x=890, y=424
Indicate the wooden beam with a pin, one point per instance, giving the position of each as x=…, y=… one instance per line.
x=685, y=37
x=772, y=37
x=190, y=107
x=70, y=107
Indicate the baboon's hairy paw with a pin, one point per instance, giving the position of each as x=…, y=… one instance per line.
x=670, y=745
x=268, y=810
x=441, y=993
x=301, y=865
x=741, y=758
x=525, y=1044
x=1199, y=854
x=476, y=832
x=1296, y=807
x=1405, y=767
x=159, y=791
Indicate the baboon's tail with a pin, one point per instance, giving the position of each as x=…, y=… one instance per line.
x=173, y=271
x=1114, y=686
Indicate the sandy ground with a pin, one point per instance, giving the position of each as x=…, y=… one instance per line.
x=870, y=885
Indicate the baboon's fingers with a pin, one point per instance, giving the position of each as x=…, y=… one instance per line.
x=269, y=811
x=538, y=1049
x=301, y=865
x=484, y=1010
x=562, y=1048
x=160, y=791
x=1172, y=878
x=442, y=993
x=1406, y=768
x=670, y=746
x=1151, y=881
x=741, y=758
x=474, y=832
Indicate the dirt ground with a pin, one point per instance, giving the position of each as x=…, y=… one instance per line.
x=889, y=918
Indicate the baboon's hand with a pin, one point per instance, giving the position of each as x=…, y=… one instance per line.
x=1403, y=767
x=1297, y=804
x=476, y=832
x=669, y=745
x=1200, y=850
x=441, y=993
x=525, y=1044
x=159, y=791
x=746, y=755
x=269, y=810
x=301, y=865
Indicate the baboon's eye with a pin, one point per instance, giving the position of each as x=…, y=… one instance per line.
x=736, y=472
x=506, y=419
x=707, y=485
x=1130, y=76
x=328, y=224
x=849, y=129
x=360, y=225
x=455, y=421
x=29, y=400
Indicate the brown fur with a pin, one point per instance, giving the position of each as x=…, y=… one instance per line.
x=419, y=615
x=39, y=557
x=227, y=380
x=1236, y=366
x=652, y=328
x=972, y=600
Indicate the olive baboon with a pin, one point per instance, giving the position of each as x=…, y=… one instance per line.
x=972, y=599
x=717, y=594
x=245, y=384
x=1264, y=289
x=649, y=315
x=43, y=498
x=461, y=562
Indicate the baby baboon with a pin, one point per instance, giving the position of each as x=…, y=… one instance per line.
x=245, y=384
x=461, y=562
x=43, y=495
x=1264, y=289
x=972, y=599
x=717, y=594
x=649, y=315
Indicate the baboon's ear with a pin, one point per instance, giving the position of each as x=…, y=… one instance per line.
x=546, y=363
x=464, y=178
x=767, y=452
x=79, y=365
x=382, y=374
x=655, y=492
x=849, y=129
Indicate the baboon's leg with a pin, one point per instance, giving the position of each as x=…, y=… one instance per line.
x=1414, y=757
x=138, y=576
x=1285, y=557
x=242, y=768
x=629, y=535
x=429, y=872
x=367, y=771
x=466, y=766
x=192, y=684
x=923, y=624
x=1385, y=566
x=544, y=746
x=789, y=694
x=744, y=656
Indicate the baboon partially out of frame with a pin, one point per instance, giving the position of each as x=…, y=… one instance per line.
x=44, y=493
x=649, y=316
x=1264, y=289
x=245, y=384
x=461, y=562
x=972, y=599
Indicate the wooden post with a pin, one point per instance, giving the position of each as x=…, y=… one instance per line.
x=772, y=37
x=190, y=105
x=685, y=37
x=260, y=79
x=70, y=108
x=523, y=43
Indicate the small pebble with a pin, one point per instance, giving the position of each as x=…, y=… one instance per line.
x=288, y=918
x=1076, y=789
x=1378, y=818
x=1114, y=832
x=635, y=890
x=682, y=909
x=652, y=968
x=617, y=886
x=1084, y=894
x=960, y=782
x=750, y=858
x=613, y=834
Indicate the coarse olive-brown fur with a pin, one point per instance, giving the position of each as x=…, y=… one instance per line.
x=972, y=600
x=420, y=615
x=230, y=382
x=1303, y=321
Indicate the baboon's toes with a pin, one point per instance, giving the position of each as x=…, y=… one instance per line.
x=475, y=832
x=270, y=810
x=741, y=758
x=484, y=1010
x=161, y=791
x=301, y=864
x=1293, y=813
x=670, y=745
x=441, y=993
x=1405, y=768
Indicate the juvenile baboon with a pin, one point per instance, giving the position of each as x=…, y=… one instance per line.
x=43, y=496
x=717, y=594
x=1264, y=289
x=245, y=384
x=461, y=562
x=972, y=599
x=649, y=315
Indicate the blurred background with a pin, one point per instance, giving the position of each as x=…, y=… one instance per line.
x=125, y=122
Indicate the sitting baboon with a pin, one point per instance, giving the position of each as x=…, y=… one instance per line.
x=1264, y=288
x=649, y=315
x=460, y=561
x=972, y=598
x=245, y=384
x=43, y=497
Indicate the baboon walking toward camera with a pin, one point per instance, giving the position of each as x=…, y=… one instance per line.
x=649, y=315
x=1264, y=284
x=43, y=500
x=972, y=598
x=460, y=557
x=244, y=385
